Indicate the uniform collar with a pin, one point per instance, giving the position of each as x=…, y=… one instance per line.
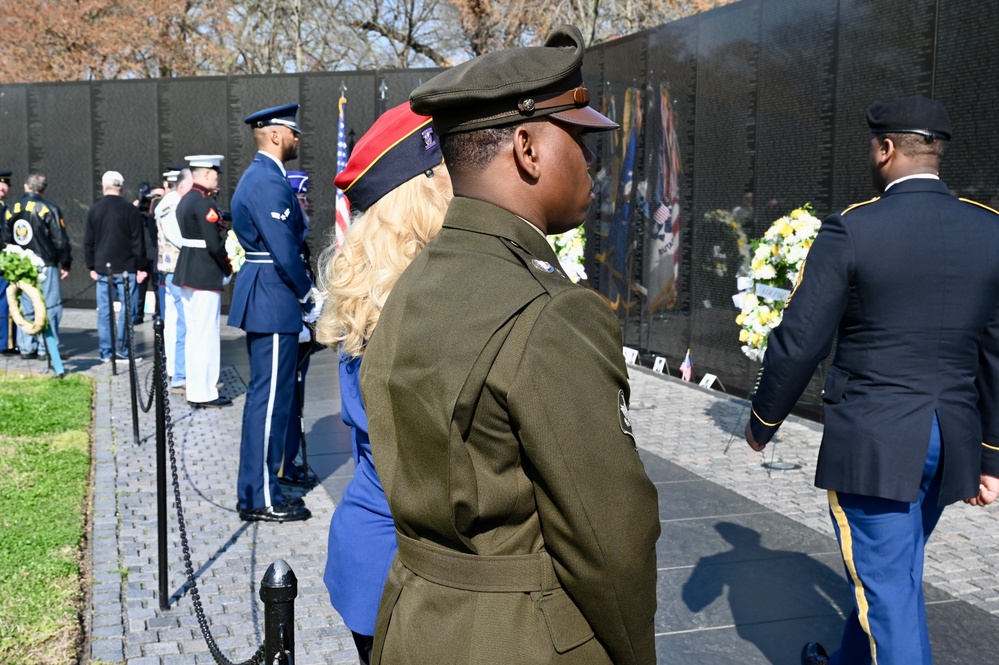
x=481, y=217
x=922, y=183
x=201, y=189
x=275, y=160
x=914, y=176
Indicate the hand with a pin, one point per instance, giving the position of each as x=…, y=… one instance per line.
x=751, y=440
x=140, y=276
x=63, y=274
x=93, y=275
x=988, y=490
x=226, y=279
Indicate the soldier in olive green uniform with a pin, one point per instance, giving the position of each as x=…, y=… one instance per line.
x=497, y=397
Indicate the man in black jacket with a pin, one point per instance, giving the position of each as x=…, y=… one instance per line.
x=36, y=224
x=115, y=235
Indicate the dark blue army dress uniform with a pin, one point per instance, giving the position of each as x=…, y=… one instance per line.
x=267, y=303
x=908, y=285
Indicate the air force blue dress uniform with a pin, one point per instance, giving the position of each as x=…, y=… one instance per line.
x=908, y=285
x=267, y=303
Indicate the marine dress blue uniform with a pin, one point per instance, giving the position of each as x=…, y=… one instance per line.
x=908, y=285
x=355, y=575
x=267, y=304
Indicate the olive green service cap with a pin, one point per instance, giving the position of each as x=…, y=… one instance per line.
x=511, y=86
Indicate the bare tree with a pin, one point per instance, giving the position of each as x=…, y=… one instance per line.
x=53, y=40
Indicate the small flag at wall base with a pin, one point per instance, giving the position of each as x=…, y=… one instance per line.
x=686, y=367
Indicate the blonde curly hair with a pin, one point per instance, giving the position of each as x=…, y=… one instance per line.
x=356, y=278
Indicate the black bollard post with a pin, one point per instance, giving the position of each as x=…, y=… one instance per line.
x=278, y=590
x=112, y=296
x=130, y=351
x=161, y=460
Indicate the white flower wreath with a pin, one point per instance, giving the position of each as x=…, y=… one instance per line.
x=24, y=270
x=766, y=283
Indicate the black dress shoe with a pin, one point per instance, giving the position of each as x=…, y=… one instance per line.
x=297, y=501
x=282, y=512
x=216, y=403
x=9, y=352
x=298, y=479
x=814, y=654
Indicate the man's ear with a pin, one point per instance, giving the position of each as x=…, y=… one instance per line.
x=526, y=144
x=886, y=150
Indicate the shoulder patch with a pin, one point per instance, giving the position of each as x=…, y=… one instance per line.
x=857, y=205
x=212, y=216
x=980, y=205
x=543, y=266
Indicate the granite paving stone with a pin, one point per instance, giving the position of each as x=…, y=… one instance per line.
x=748, y=568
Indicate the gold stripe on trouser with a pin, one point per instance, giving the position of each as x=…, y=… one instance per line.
x=846, y=547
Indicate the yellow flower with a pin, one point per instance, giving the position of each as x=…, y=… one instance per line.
x=743, y=335
x=785, y=229
x=797, y=213
x=740, y=320
x=776, y=250
x=755, y=339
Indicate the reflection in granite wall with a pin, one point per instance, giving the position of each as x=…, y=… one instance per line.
x=730, y=119
x=767, y=101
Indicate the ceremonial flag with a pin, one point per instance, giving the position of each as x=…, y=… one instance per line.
x=686, y=367
x=342, y=206
x=663, y=263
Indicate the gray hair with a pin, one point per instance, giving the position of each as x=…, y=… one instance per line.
x=36, y=183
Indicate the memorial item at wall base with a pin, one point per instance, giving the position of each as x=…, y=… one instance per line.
x=767, y=281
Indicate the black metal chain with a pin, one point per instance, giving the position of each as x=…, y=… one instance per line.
x=217, y=654
x=130, y=341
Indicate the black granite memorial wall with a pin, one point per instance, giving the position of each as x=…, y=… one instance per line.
x=730, y=119
x=766, y=100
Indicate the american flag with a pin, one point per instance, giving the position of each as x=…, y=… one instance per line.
x=342, y=206
x=686, y=367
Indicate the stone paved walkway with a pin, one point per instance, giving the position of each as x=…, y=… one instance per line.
x=709, y=499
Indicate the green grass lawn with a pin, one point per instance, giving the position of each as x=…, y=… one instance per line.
x=44, y=478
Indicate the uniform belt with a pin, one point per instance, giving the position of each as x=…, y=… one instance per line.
x=520, y=573
x=259, y=257
x=193, y=242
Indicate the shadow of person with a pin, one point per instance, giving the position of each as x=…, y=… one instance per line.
x=776, y=599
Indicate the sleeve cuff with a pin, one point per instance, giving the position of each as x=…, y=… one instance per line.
x=990, y=459
x=762, y=430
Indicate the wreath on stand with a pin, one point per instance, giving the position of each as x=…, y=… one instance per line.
x=765, y=284
x=23, y=269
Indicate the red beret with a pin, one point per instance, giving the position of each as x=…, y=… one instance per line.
x=399, y=146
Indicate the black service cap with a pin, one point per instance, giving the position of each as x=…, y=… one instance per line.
x=910, y=115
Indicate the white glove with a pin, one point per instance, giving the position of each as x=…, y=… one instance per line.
x=317, y=298
x=305, y=336
x=227, y=279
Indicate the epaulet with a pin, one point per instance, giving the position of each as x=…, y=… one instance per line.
x=857, y=205
x=550, y=277
x=981, y=205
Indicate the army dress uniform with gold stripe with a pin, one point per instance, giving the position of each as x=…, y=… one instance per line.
x=908, y=285
x=526, y=522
